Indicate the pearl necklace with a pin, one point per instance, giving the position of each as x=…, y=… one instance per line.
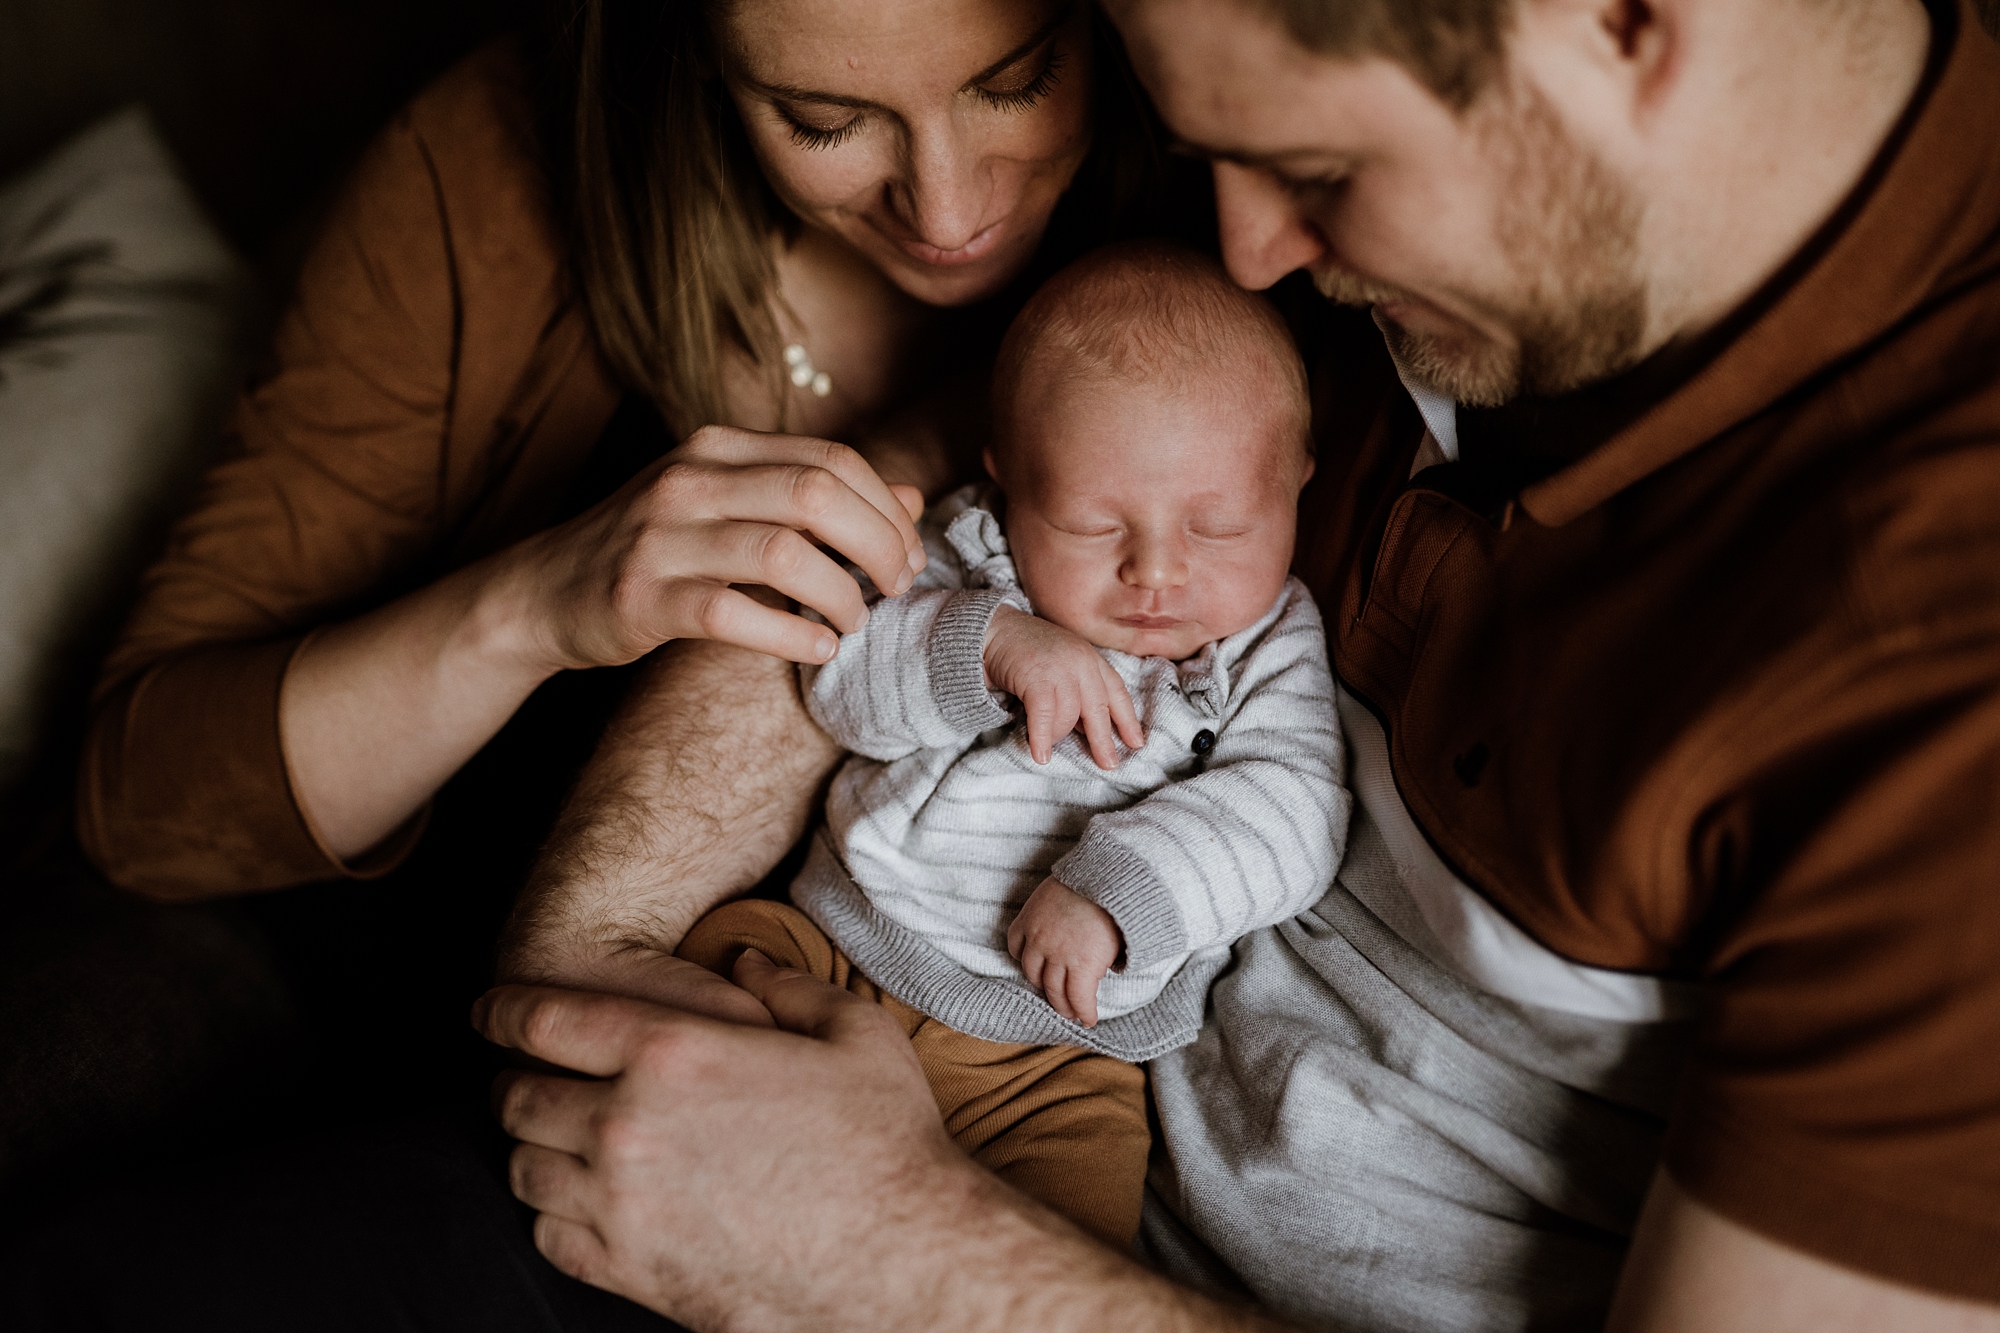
x=803, y=374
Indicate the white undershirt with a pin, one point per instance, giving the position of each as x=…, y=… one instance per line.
x=1451, y=924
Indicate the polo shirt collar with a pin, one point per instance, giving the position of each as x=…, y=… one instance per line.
x=1924, y=219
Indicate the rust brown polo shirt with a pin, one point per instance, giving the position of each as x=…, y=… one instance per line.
x=1718, y=696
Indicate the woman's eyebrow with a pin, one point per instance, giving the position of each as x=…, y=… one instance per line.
x=791, y=92
x=1021, y=52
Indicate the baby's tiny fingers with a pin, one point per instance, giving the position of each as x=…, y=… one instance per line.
x=1097, y=730
x=1082, y=989
x=1123, y=715
x=1054, y=989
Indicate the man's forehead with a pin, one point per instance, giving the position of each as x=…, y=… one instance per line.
x=1231, y=82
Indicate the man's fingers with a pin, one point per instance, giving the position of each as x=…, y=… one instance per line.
x=581, y=1030
x=801, y=1003
x=548, y=1109
x=573, y=1247
x=549, y=1181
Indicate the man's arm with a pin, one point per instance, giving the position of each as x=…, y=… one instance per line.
x=1692, y=1270
x=704, y=779
x=796, y=1179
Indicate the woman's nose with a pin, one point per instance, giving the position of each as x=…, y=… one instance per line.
x=948, y=188
x=1155, y=564
x=1264, y=236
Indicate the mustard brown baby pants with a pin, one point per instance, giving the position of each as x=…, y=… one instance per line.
x=1061, y=1124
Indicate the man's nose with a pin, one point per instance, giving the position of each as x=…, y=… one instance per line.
x=1155, y=563
x=1264, y=237
x=947, y=190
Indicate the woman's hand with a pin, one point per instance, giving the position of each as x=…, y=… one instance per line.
x=657, y=560
x=1063, y=683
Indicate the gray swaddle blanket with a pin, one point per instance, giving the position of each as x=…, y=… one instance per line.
x=942, y=823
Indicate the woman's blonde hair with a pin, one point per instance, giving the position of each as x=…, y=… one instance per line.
x=671, y=229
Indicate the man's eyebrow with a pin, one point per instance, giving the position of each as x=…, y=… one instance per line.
x=1240, y=156
x=1180, y=147
x=793, y=93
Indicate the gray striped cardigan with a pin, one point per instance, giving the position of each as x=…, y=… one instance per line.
x=942, y=823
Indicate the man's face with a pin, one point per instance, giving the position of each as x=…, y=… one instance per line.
x=1499, y=254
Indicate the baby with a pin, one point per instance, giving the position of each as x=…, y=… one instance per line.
x=1042, y=891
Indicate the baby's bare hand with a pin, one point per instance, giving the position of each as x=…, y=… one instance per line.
x=1062, y=682
x=1065, y=944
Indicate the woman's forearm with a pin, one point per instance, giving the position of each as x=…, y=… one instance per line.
x=704, y=779
x=376, y=713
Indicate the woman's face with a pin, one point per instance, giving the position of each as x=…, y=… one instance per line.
x=934, y=136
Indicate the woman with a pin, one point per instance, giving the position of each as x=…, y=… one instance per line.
x=541, y=272
x=368, y=589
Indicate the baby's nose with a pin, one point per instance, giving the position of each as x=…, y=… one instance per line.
x=1155, y=565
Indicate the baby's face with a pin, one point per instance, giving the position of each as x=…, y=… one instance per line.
x=1149, y=520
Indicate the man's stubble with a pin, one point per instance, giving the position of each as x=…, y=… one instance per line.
x=1578, y=308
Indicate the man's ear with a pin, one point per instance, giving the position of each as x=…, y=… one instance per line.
x=1306, y=472
x=986, y=457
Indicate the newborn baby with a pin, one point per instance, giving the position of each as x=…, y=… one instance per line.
x=1094, y=744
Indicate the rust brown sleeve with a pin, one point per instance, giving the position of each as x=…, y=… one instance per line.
x=1845, y=1096
x=328, y=499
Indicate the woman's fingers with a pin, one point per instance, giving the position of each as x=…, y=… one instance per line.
x=695, y=609
x=797, y=498
x=911, y=499
x=825, y=472
x=779, y=558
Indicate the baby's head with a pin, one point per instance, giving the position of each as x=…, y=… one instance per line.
x=1151, y=437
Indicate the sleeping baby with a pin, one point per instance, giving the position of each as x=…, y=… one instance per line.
x=1094, y=744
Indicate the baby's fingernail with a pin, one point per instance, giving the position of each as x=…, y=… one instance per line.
x=826, y=648
x=903, y=581
x=918, y=558
x=860, y=621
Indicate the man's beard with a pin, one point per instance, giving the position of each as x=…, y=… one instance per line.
x=1571, y=228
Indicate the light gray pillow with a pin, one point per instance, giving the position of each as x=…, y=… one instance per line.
x=122, y=324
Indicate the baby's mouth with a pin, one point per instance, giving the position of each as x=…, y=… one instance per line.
x=1150, y=622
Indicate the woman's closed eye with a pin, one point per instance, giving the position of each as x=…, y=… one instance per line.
x=1021, y=85
x=819, y=131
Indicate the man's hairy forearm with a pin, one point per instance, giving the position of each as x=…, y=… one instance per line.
x=993, y=1260
x=704, y=779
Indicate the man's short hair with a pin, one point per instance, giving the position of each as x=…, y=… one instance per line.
x=1152, y=312
x=1453, y=47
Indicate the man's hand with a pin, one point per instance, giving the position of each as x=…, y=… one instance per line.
x=1065, y=943
x=737, y=1177
x=1062, y=682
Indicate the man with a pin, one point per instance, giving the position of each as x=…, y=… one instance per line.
x=1671, y=662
